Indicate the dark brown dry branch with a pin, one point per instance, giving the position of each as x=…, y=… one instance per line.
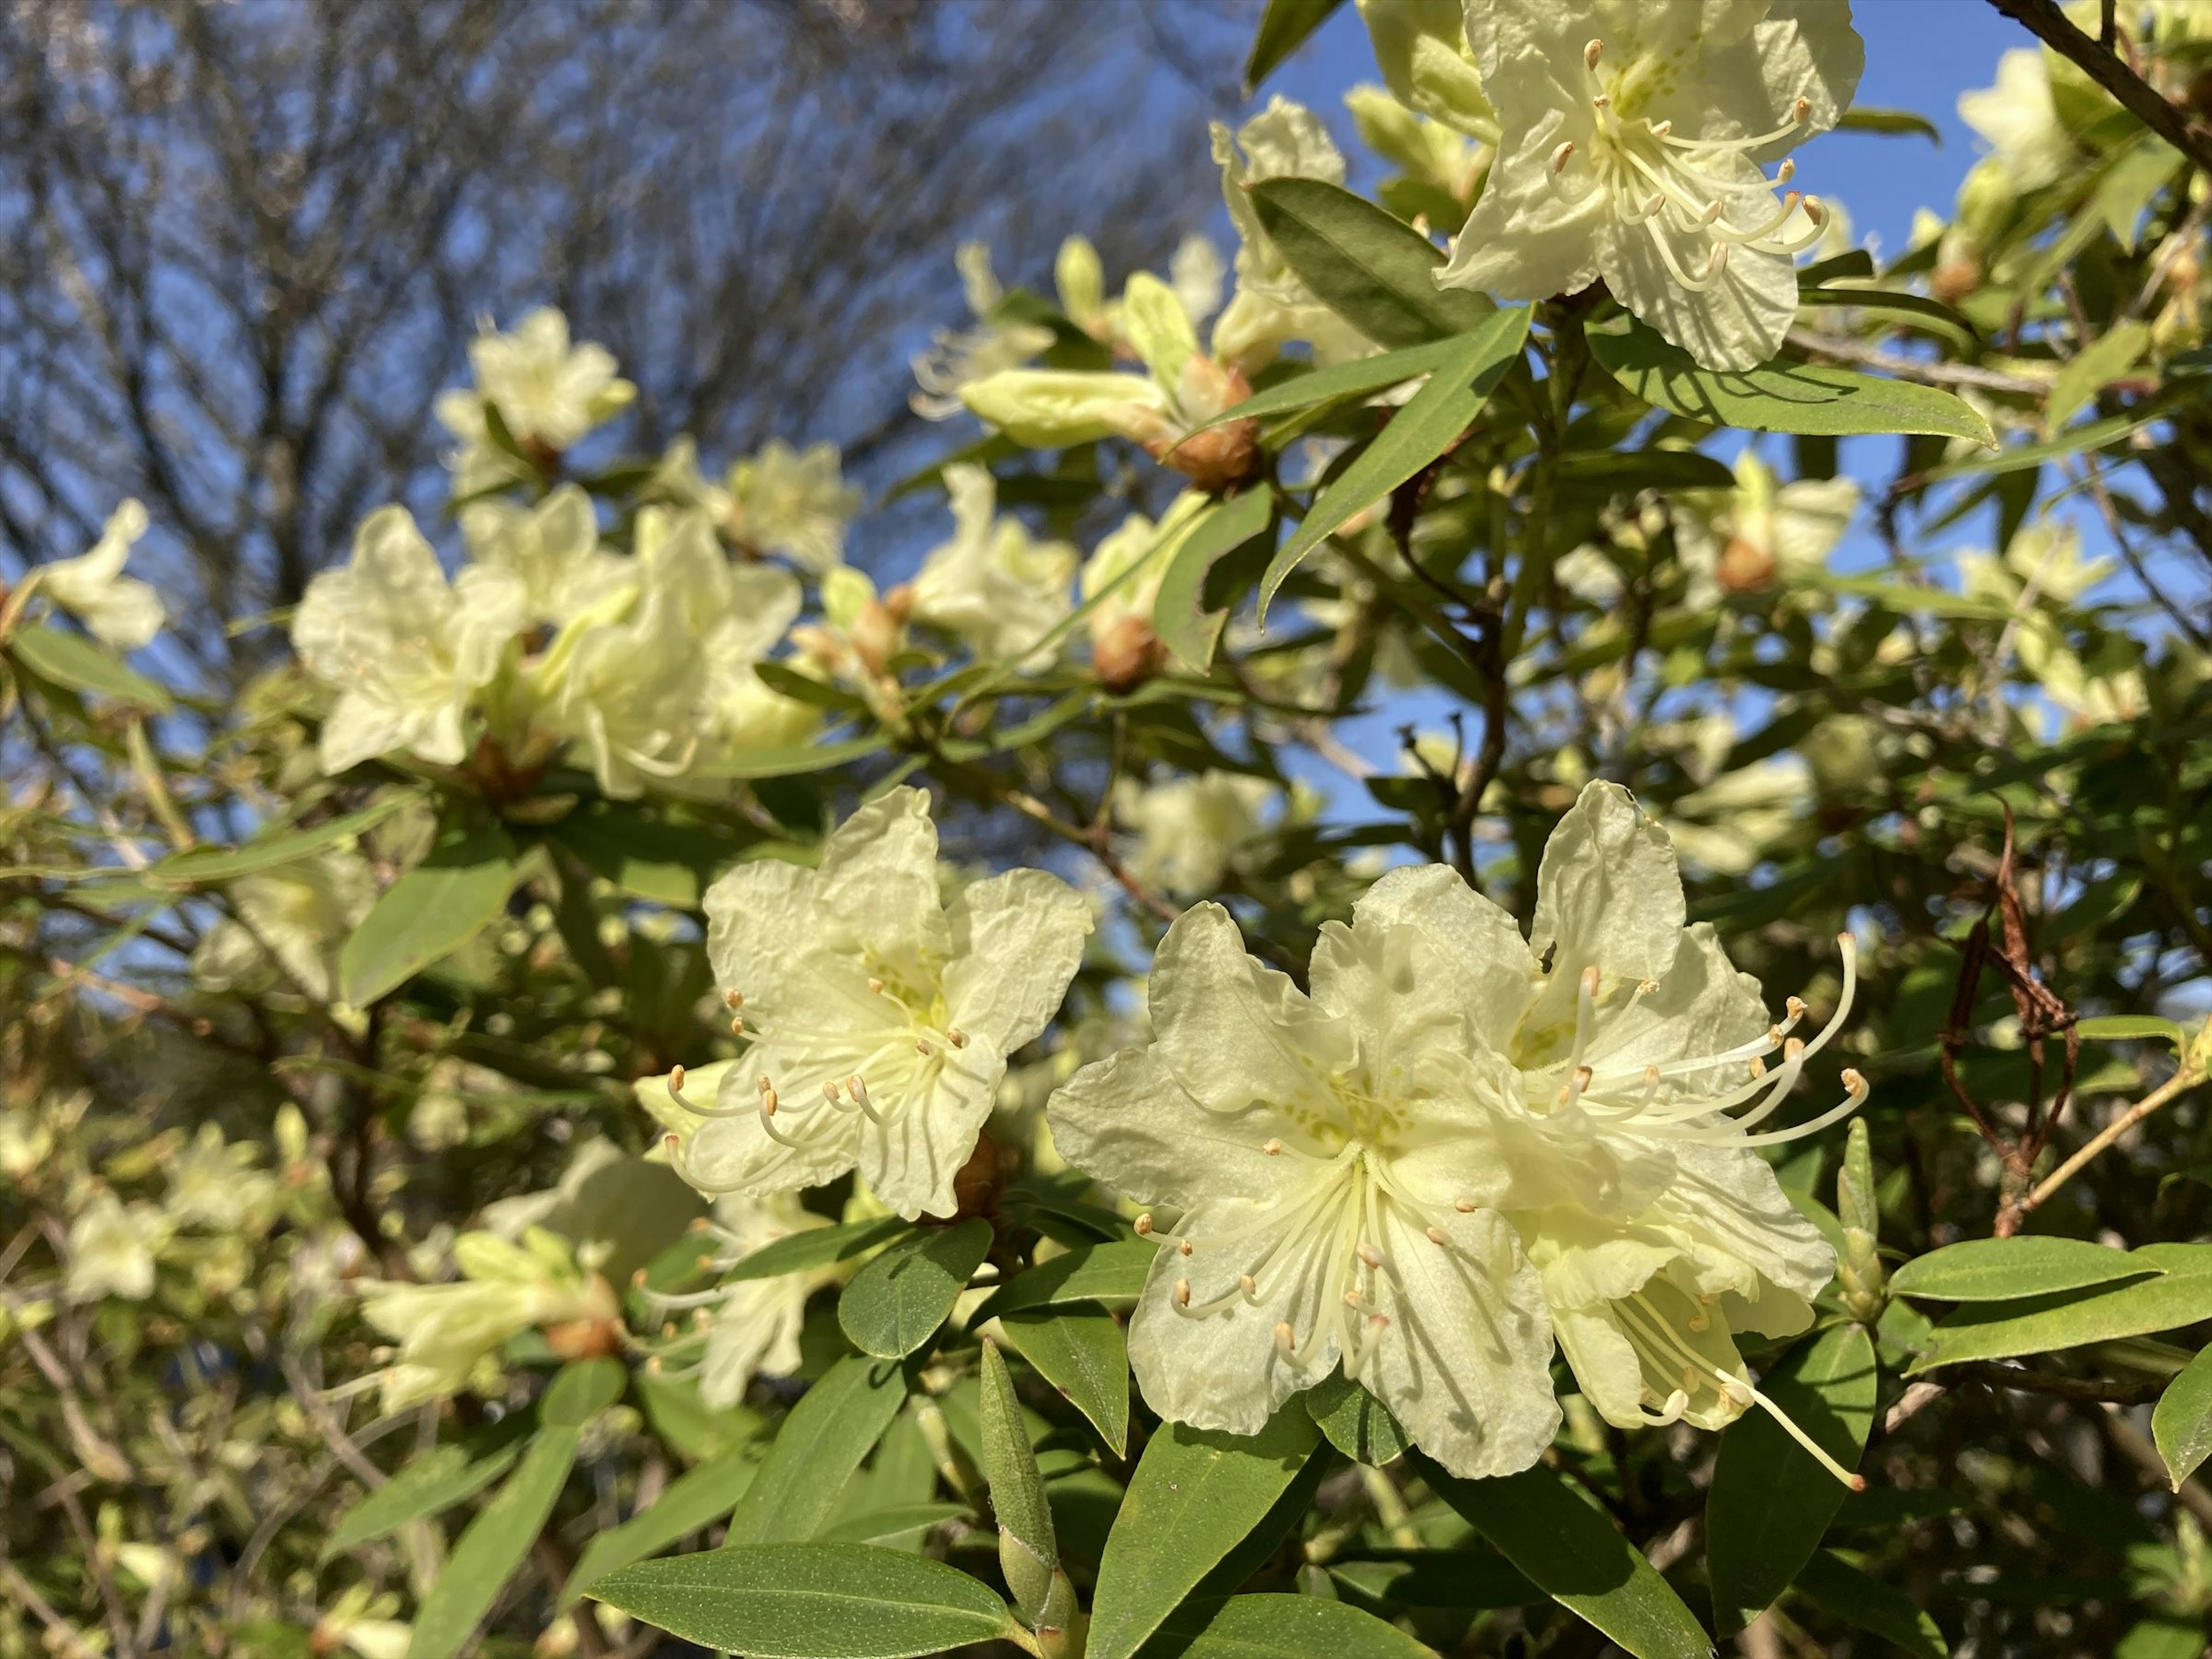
x=2046, y=20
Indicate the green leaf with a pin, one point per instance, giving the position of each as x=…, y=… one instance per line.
x=432, y=910
x=2082, y=439
x=2088, y=371
x=268, y=851
x=495, y=1543
x=1771, y=1501
x=693, y=1502
x=1089, y=1273
x=82, y=663
x=1861, y=117
x=2126, y=1027
x=1283, y=28
x=794, y=760
x=2161, y=1635
x=818, y=1247
x=1439, y=1579
x=1368, y=266
x=897, y=1302
x=580, y=1392
x=1630, y=471
x=1278, y=1627
x=439, y=1479
x=1028, y=1553
x=1079, y=1348
x=643, y=853
x=2181, y=1423
x=1569, y=1548
x=2182, y=1295
x=787, y=681
x=1417, y=434
x=2005, y=1269
x=1934, y=312
x=1357, y=1424
x=1195, y=1494
x=810, y=1602
x=823, y=1440
x=1180, y=618
x=1355, y=379
x=900, y=1524
x=1833, y=1583
x=1779, y=397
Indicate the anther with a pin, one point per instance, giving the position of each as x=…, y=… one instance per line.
x=1437, y=1236
x=1273, y=1149
x=1787, y=171
x=956, y=1036
x=1249, y=1285
x=875, y=986
x=1143, y=1223
x=1464, y=1205
x=637, y=1279
x=1370, y=1254
x=1590, y=980
x=734, y=1001
x=1591, y=53
x=922, y=1047
x=1183, y=1246
x=830, y=1093
x=676, y=1079
x=1796, y=1007
x=737, y=1026
x=1718, y=263
x=1660, y=129
x=1854, y=1084
x=1816, y=210
x=1183, y=1293
x=1562, y=155
x=1802, y=111
x=1286, y=1338
x=1353, y=1299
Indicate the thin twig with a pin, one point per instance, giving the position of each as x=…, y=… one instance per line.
x=2179, y=1084
x=2044, y=19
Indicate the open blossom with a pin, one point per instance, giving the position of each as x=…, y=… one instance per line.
x=1336, y=1181
x=993, y=584
x=2018, y=119
x=122, y=610
x=747, y=1328
x=1272, y=305
x=1189, y=830
x=1626, y=1062
x=1420, y=46
x=548, y=393
x=112, y=1249
x=1633, y=136
x=215, y=1183
x=880, y=1019
x=404, y=648
x=958, y=356
x=553, y=547
x=293, y=920
x=447, y=1332
x=792, y=501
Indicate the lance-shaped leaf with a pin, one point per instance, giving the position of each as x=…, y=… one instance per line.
x=1283, y=28
x=1370, y=268
x=1194, y=1496
x=810, y=1601
x=1771, y=1500
x=1109, y=1271
x=78, y=663
x=431, y=911
x=814, y=1454
x=1281, y=1627
x=1180, y=618
x=268, y=851
x=1779, y=397
x=2180, y=1295
x=1833, y=1583
x=441, y=1478
x=1424, y=430
x=2007, y=1269
x=1028, y=1553
x=700, y=1499
x=818, y=1247
x=1081, y=1350
x=2181, y=1423
x=1570, y=1549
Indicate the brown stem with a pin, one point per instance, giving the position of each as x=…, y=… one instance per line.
x=2044, y=19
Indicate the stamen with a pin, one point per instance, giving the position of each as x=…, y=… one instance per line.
x=856, y=1087
x=1437, y=1236
x=1562, y=155
x=875, y=986
x=1286, y=1338
x=1464, y=1205
x=1183, y=1293
x=734, y=1001
x=1143, y=1223
x=1751, y=1396
x=956, y=1036
x=922, y=1047
x=1186, y=1247
x=1273, y=1149
x=1370, y=1254
x=1591, y=53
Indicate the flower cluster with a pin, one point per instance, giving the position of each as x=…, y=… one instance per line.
x=1457, y=1147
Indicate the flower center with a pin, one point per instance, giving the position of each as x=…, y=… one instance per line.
x=1688, y=1098
x=1674, y=187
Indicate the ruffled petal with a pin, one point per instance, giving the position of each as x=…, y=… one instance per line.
x=1017, y=941
x=1236, y=1033
x=1127, y=1122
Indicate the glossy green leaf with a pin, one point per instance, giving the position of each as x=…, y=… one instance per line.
x=1283, y=28
x=2161, y=1635
x=2182, y=1295
x=1357, y=378
x=1779, y=397
x=1424, y=430
x=1630, y=471
x=900, y=1526
x=2088, y=371
x=823, y=1440
x=1081, y=1350
x=440, y=1477
x=494, y=1546
x=431, y=911
x=83, y=664
x=1771, y=1501
x=1439, y=1579
x=897, y=1302
x=580, y=1392
x=2181, y=1423
x=1180, y=618
x=2133, y=1028
x=700, y=1498
x=810, y=1602
x=1368, y=266
x=1832, y=1583
x=1357, y=1424
x=1933, y=312
x=2083, y=439
x=201, y=865
x=2006, y=1269
x=1194, y=1496
x=1278, y=1627
x=794, y=760
x=1111, y=1272
x=1570, y=1549
x=818, y=1247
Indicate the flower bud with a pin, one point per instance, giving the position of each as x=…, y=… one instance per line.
x=1126, y=654
x=1745, y=567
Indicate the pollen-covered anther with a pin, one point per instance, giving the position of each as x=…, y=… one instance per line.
x=1370, y=1256
x=830, y=1093
x=1855, y=1084
x=1143, y=1223
x=1787, y=171
x=1591, y=53
x=1562, y=155
x=1437, y=1236
x=1286, y=1338
x=676, y=1079
x=1800, y=112
x=1590, y=980
x=1183, y=1293
x=1353, y=1299
x=1464, y=1205
x=1273, y=1149
x=1186, y=1248
x=1815, y=209
x=922, y=1047
x=738, y=1025
x=875, y=986
x=734, y=1001
x=1249, y=1286
x=956, y=1036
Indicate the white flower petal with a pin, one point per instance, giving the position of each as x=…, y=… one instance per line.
x=1129, y=1123
x=1608, y=892
x=1235, y=1033
x=1017, y=941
